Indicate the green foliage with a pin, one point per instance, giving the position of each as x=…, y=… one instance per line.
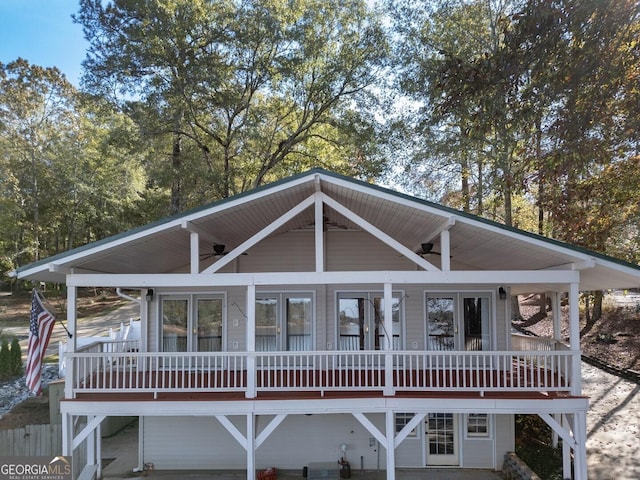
x=72, y=169
x=233, y=95
x=5, y=360
x=534, y=447
x=525, y=100
x=16, y=357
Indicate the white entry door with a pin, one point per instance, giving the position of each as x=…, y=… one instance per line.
x=441, y=430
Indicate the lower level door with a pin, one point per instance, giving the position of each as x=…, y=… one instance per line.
x=441, y=439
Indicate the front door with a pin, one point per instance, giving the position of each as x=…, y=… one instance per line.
x=441, y=439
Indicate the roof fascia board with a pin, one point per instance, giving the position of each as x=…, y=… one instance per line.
x=479, y=277
x=168, y=223
x=379, y=234
x=512, y=232
x=66, y=258
x=250, y=195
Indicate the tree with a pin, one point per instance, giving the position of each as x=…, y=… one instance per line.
x=240, y=91
x=36, y=107
x=65, y=160
x=472, y=114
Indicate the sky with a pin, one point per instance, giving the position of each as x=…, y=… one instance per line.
x=42, y=32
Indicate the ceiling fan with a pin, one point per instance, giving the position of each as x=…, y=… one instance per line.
x=218, y=251
x=426, y=249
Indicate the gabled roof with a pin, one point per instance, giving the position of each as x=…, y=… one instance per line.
x=476, y=243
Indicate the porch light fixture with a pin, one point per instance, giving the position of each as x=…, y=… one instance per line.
x=502, y=293
x=149, y=295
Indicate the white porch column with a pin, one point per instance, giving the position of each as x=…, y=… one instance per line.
x=580, y=454
x=72, y=304
x=574, y=339
x=566, y=451
x=556, y=307
x=251, y=447
x=91, y=444
x=319, y=230
x=67, y=434
x=445, y=254
x=99, y=450
x=194, y=252
x=390, y=444
x=387, y=328
x=251, y=342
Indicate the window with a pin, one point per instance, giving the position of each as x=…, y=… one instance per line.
x=477, y=425
x=402, y=419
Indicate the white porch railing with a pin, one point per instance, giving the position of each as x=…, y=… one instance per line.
x=527, y=343
x=389, y=372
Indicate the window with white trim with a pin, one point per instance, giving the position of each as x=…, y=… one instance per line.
x=401, y=420
x=477, y=425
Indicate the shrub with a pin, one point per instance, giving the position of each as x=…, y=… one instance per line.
x=5, y=360
x=16, y=358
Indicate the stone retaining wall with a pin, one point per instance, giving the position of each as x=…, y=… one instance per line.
x=514, y=468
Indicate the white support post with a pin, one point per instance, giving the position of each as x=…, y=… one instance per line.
x=72, y=300
x=387, y=328
x=67, y=434
x=99, y=450
x=390, y=445
x=554, y=434
x=557, y=315
x=251, y=342
x=580, y=453
x=251, y=447
x=91, y=444
x=319, y=232
x=140, y=442
x=566, y=451
x=195, y=252
x=445, y=254
x=574, y=338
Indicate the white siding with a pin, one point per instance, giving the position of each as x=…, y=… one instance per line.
x=202, y=443
x=477, y=452
x=191, y=443
x=357, y=251
x=505, y=437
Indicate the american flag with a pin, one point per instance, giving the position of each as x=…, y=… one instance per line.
x=40, y=327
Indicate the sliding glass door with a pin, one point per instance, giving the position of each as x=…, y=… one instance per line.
x=459, y=321
x=192, y=323
x=284, y=322
x=360, y=321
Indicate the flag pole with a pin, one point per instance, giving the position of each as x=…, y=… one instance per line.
x=52, y=307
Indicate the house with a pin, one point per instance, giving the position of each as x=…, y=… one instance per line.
x=296, y=323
